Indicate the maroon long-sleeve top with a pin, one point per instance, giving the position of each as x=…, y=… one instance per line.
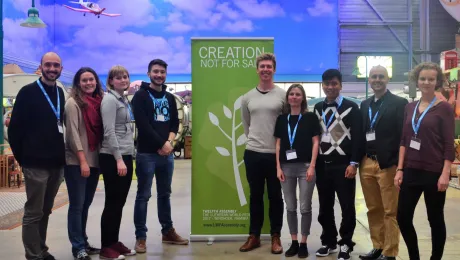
x=436, y=133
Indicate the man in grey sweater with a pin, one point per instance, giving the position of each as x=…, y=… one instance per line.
x=260, y=107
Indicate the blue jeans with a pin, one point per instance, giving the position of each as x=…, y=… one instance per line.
x=147, y=166
x=81, y=193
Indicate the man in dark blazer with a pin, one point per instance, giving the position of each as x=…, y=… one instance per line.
x=383, y=116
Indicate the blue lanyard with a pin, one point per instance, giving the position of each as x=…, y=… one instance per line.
x=57, y=111
x=130, y=111
x=292, y=136
x=416, y=127
x=127, y=106
x=155, y=101
x=330, y=119
x=375, y=116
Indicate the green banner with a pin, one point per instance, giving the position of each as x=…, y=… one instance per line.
x=223, y=70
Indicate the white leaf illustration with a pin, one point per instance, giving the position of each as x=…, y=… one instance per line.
x=237, y=104
x=223, y=151
x=241, y=140
x=227, y=112
x=214, y=119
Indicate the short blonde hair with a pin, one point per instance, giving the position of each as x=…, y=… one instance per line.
x=116, y=70
x=266, y=56
x=440, y=78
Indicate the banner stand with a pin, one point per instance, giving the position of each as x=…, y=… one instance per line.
x=225, y=238
x=223, y=70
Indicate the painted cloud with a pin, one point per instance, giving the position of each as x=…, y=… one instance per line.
x=321, y=7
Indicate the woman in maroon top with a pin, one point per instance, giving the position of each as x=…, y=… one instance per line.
x=425, y=156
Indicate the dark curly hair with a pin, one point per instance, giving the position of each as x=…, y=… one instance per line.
x=76, y=93
x=440, y=78
x=303, y=105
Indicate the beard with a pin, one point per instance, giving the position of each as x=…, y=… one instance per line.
x=155, y=82
x=47, y=76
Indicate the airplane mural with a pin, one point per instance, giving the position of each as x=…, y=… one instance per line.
x=89, y=7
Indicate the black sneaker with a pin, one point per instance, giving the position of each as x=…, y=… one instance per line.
x=293, y=250
x=326, y=250
x=345, y=252
x=91, y=250
x=303, y=250
x=82, y=256
x=49, y=257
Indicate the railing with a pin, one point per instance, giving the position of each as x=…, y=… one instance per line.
x=10, y=171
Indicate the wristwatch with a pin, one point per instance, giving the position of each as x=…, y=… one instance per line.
x=355, y=164
x=400, y=170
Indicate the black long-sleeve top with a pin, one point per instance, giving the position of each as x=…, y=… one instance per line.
x=33, y=131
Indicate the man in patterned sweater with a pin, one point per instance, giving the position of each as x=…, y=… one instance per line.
x=337, y=163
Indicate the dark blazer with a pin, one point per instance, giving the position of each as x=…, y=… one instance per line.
x=388, y=127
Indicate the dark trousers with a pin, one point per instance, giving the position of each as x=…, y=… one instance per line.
x=42, y=186
x=415, y=182
x=261, y=168
x=116, y=191
x=330, y=179
x=81, y=193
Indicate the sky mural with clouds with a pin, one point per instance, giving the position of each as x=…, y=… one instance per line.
x=305, y=32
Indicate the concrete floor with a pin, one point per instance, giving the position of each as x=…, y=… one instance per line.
x=11, y=244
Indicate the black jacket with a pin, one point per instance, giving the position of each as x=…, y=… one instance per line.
x=33, y=131
x=388, y=127
x=152, y=133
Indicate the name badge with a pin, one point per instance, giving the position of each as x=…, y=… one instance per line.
x=60, y=127
x=415, y=143
x=370, y=136
x=161, y=118
x=326, y=138
x=291, y=154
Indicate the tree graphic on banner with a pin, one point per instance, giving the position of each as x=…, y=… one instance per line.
x=234, y=143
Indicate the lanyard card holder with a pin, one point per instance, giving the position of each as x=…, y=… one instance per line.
x=326, y=137
x=415, y=143
x=291, y=154
x=370, y=136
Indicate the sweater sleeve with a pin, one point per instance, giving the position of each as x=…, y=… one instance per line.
x=356, y=134
x=245, y=115
x=142, y=120
x=448, y=132
x=109, y=114
x=72, y=122
x=174, y=123
x=18, y=124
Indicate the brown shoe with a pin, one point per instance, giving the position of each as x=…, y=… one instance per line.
x=173, y=238
x=252, y=243
x=140, y=247
x=277, y=248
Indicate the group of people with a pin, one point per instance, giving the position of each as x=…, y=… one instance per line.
x=89, y=134
x=402, y=150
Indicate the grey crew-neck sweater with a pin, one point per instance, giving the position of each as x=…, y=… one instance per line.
x=118, y=130
x=258, y=114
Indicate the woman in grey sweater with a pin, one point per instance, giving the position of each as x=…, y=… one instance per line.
x=116, y=161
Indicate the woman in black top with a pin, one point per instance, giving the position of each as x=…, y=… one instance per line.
x=297, y=139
